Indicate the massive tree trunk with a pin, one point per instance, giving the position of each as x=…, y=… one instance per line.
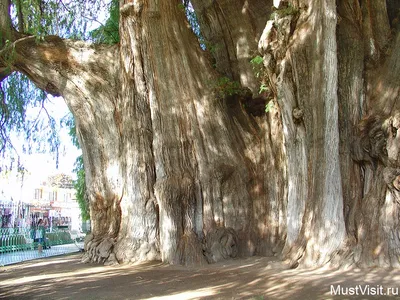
x=328, y=79
x=174, y=164
x=184, y=166
x=304, y=62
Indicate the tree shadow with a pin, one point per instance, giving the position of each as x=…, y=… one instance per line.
x=252, y=278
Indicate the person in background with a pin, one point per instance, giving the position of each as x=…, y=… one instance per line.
x=33, y=229
x=40, y=234
x=46, y=224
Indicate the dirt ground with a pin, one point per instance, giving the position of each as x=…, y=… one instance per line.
x=65, y=277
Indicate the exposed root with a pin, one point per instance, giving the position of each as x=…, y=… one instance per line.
x=99, y=250
x=221, y=243
x=190, y=250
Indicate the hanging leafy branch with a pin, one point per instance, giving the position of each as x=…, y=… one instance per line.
x=19, y=97
x=38, y=128
x=22, y=105
x=109, y=32
x=65, y=18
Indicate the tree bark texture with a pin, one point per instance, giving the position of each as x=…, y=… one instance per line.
x=176, y=172
x=330, y=77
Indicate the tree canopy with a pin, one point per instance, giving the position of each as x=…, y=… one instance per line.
x=23, y=111
x=23, y=105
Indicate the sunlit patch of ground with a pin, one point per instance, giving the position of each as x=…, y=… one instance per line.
x=254, y=278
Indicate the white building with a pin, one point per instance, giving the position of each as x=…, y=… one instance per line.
x=53, y=200
x=58, y=197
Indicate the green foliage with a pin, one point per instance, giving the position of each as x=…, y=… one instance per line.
x=257, y=60
x=79, y=183
x=226, y=87
x=109, y=32
x=80, y=187
x=69, y=122
x=257, y=65
x=38, y=128
x=289, y=10
x=67, y=19
x=263, y=88
x=259, y=71
x=269, y=106
x=23, y=113
x=213, y=48
x=261, y=74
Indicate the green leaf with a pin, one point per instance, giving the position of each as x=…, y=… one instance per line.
x=258, y=60
x=109, y=32
x=263, y=88
x=269, y=106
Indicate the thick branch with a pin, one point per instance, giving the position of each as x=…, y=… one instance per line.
x=8, y=34
x=55, y=65
x=5, y=22
x=20, y=16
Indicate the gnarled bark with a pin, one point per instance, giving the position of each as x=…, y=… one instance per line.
x=304, y=62
x=303, y=58
x=178, y=171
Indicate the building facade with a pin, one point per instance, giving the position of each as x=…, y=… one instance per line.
x=52, y=200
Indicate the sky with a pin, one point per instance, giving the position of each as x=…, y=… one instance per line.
x=45, y=164
x=40, y=166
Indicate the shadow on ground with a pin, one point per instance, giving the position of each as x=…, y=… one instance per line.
x=254, y=278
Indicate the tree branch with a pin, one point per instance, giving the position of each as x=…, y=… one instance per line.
x=8, y=34
x=20, y=16
x=7, y=31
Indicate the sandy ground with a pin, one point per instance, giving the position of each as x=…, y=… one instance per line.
x=66, y=277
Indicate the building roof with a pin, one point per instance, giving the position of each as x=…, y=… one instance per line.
x=61, y=181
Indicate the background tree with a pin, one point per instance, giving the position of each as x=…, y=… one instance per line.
x=181, y=161
x=80, y=182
